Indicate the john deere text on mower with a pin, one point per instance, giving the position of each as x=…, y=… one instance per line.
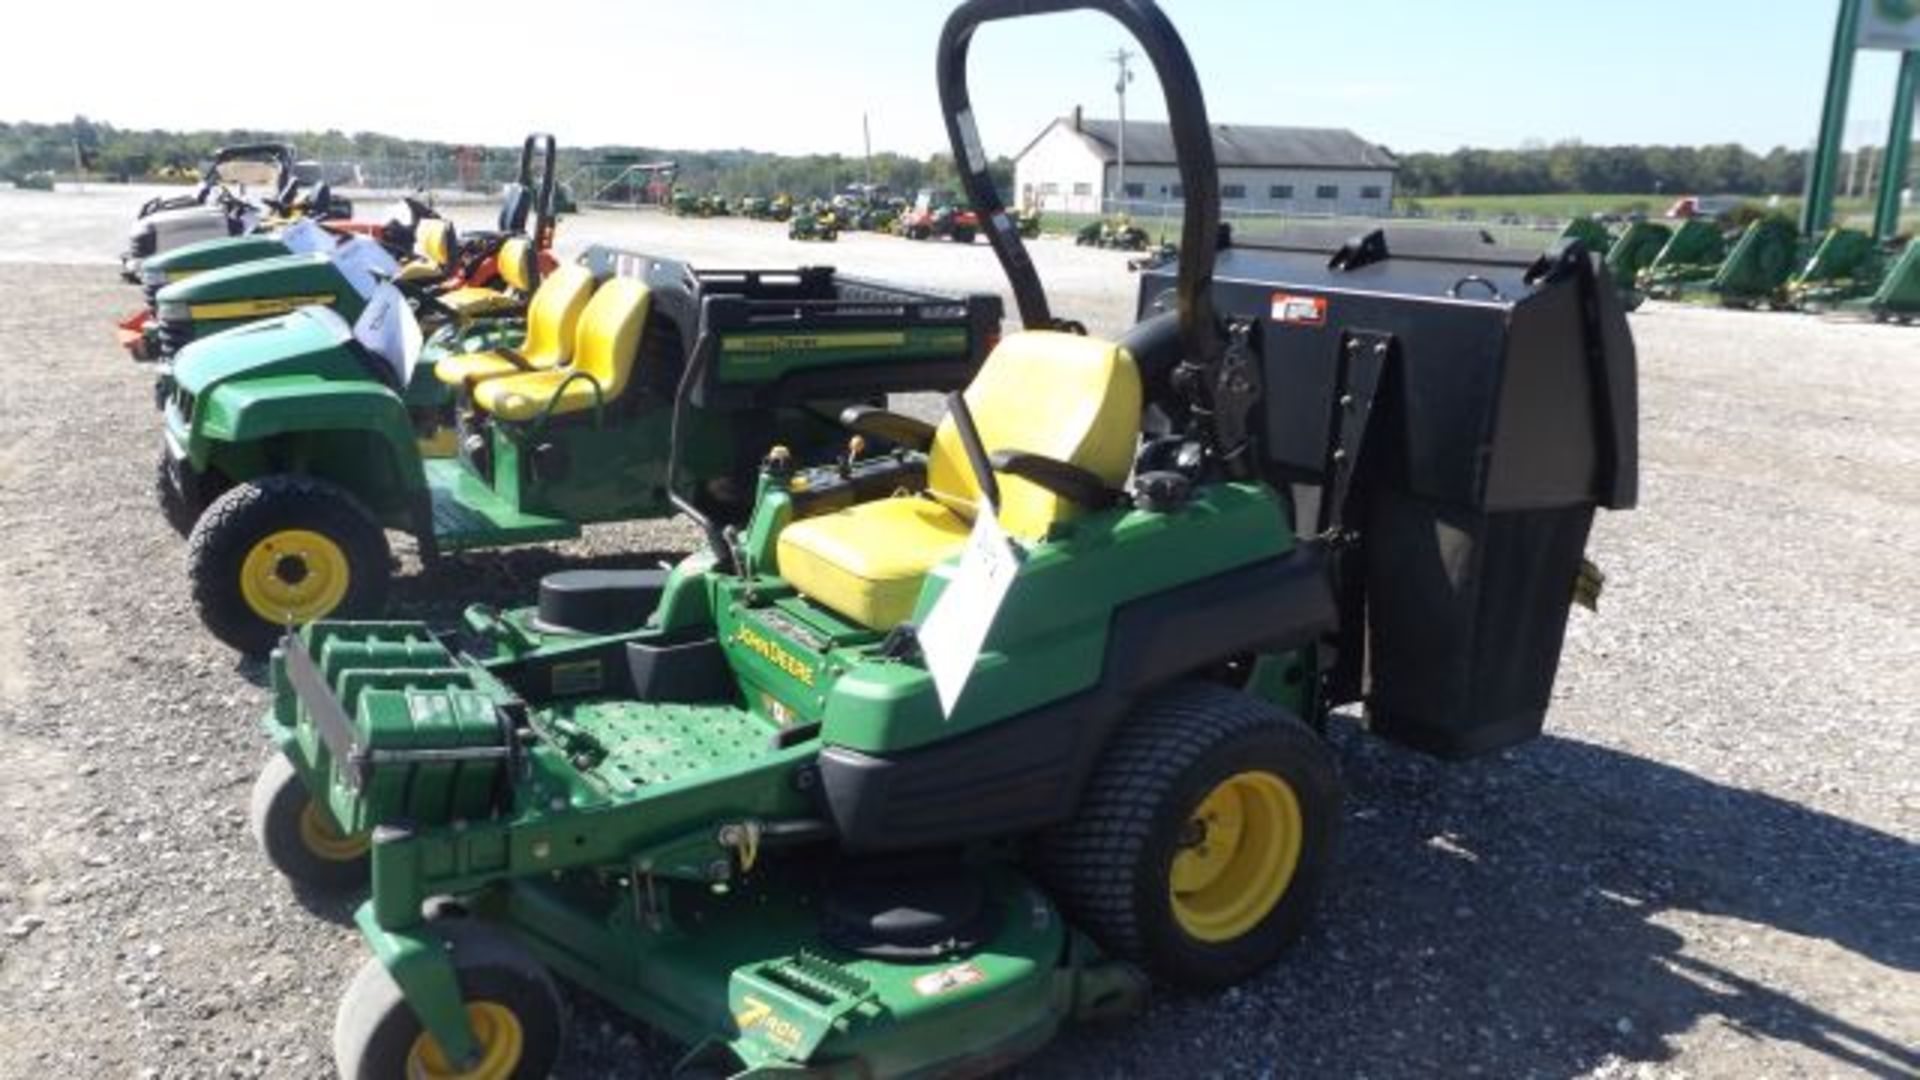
x=305, y=446
x=950, y=743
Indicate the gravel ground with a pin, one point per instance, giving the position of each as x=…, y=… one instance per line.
x=1709, y=867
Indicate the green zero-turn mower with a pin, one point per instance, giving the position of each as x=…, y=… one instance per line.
x=293, y=450
x=951, y=744
x=217, y=285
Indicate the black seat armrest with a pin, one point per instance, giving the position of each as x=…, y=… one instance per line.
x=877, y=423
x=1064, y=479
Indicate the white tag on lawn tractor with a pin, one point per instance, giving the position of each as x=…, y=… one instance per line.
x=365, y=264
x=304, y=237
x=388, y=329
x=956, y=628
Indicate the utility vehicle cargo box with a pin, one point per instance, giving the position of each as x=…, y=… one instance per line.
x=811, y=334
x=1461, y=413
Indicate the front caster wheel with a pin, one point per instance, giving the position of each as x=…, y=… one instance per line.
x=283, y=551
x=1203, y=837
x=299, y=836
x=512, y=1005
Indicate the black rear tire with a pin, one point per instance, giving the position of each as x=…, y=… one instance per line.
x=375, y=1033
x=254, y=518
x=1112, y=866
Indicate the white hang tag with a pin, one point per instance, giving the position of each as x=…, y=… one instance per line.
x=365, y=264
x=305, y=237
x=954, y=632
x=388, y=330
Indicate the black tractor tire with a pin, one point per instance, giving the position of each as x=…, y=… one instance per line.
x=1112, y=865
x=300, y=838
x=176, y=507
x=963, y=236
x=253, y=514
x=376, y=1035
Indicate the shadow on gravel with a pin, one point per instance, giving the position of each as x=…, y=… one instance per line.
x=336, y=908
x=1539, y=915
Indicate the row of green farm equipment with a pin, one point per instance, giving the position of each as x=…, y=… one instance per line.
x=1765, y=264
x=932, y=214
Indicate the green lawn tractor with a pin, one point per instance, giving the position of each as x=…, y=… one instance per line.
x=1637, y=246
x=1757, y=269
x=814, y=223
x=208, y=288
x=1117, y=232
x=1850, y=274
x=1687, y=261
x=304, y=449
x=956, y=742
x=218, y=206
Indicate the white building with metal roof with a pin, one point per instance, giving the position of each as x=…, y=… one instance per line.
x=1075, y=162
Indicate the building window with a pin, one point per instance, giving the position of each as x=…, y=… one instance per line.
x=1327, y=191
x=1280, y=191
x=1179, y=191
x=1136, y=191
x=1083, y=189
x=1049, y=189
x=1372, y=191
x=1233, y=191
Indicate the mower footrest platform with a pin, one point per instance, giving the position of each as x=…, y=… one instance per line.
x=467, y=513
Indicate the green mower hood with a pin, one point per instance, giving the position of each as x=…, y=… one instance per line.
x=197, y=258
x=257, y=290
x=308, y=344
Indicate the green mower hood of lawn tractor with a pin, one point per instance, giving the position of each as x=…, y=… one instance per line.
x=301, y=371
x=181, y=263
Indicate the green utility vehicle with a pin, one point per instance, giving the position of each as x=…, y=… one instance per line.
x=302, y=444
x=206, y=288
x=954, y=743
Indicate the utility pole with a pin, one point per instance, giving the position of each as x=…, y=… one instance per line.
x=866, y=139
x=1120, y=58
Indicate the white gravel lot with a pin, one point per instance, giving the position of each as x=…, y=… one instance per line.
x=1709, y=866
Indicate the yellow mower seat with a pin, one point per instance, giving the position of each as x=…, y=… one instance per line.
x=518, y=268
x=553, y=317
x=435, y=247
x=605, y=345
x=1072, y=398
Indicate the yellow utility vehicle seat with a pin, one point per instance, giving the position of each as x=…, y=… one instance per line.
x=1063, y=396
x=519, y=266
x=553, y=317
x=436, y=246
x=605, y=345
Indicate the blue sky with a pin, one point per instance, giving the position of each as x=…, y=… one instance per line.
x=796, y=76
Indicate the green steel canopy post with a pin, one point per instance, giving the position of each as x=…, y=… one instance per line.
x=1823, y=178
x=1893, y=179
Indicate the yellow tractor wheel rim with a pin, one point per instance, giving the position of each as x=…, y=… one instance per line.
x=294, y=575
x=502, y=1041
x=322, y=837
x=1238, y=855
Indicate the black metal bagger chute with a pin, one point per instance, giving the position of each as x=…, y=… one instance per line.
x=1450, y=418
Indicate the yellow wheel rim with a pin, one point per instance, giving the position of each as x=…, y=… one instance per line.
x=501, y=1039
x=294, y=575
x=322, y=837
x=1238, y=854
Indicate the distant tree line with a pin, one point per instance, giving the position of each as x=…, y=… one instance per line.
x=108, y=152
x=121, y=154
x=1572, y=167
